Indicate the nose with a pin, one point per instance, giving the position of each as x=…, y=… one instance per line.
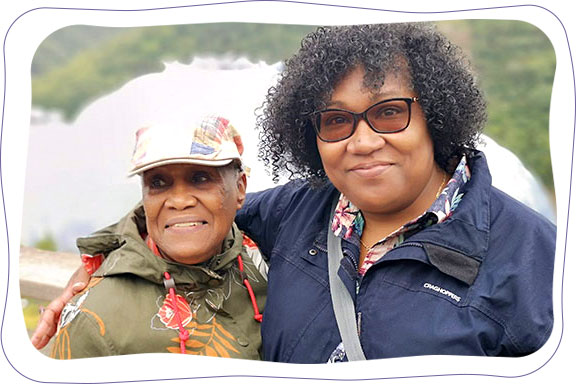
x=181, y=197
x=364, y=141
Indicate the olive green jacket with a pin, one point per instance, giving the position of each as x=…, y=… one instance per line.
x=126, y=309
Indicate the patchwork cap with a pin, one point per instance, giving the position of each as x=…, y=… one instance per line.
x=211, y=141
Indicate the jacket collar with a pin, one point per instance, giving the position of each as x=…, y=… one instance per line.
x=458, y=245
x=128, y=253
x=467, y=230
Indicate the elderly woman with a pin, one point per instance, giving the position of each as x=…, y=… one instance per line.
x=392, y=241
x=178, y=275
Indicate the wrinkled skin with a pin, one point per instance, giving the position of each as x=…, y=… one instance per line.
x=168, y=193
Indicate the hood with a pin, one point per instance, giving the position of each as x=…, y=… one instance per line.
x=127, y=253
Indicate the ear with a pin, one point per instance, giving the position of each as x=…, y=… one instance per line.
x=241, y=185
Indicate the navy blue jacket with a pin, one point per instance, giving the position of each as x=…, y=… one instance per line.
x=480, y=283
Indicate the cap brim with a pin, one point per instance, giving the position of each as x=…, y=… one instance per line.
x=209, y=163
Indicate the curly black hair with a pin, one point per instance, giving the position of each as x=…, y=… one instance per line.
x=454, y=106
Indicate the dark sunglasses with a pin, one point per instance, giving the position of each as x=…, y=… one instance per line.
x=386, y=116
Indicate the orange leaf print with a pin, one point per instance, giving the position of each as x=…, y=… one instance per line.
x=98, y=320
x=226, y=343
x=174, y=350
x=193, y=343
x=213, y=340
x=222, y=352
x=61, y=348
x=210, y=351
x=223, y=331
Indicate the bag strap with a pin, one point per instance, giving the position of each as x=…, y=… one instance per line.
x=341, y=300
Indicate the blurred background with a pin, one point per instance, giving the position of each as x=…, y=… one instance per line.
x=93, y=86
x=72, y=150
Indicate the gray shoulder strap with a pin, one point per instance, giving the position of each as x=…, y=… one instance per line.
x=341, y=300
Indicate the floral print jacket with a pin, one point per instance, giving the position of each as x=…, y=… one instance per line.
x=127, y=307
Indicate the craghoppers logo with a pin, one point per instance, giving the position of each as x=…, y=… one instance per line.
x=442, y=291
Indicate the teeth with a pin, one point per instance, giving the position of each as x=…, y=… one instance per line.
x=179, y=225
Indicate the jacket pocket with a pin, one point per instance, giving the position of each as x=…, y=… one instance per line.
x=419, y=277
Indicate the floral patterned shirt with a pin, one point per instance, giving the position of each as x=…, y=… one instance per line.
x=348, y=223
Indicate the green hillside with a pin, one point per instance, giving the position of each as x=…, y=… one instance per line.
x=111, y=58
x=514, y=60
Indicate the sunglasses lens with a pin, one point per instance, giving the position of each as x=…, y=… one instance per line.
x=335, y=125
x=389, y=116
x=386, y=116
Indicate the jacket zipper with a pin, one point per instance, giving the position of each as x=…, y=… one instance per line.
x=357, y=283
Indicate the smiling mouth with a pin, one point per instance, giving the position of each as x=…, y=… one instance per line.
x=187, y=224
x=371, y=170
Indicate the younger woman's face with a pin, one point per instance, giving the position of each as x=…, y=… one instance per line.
x=382, y=174
x=190, y=208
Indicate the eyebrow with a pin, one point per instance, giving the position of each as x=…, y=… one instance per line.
x=374, y=98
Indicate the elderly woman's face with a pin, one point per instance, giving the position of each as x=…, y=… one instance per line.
x=382, y=174
x=190, y=208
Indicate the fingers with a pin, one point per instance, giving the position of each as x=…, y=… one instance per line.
x=76, y=288
x=46, y=328
x=81, y=276
x=48, y=323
